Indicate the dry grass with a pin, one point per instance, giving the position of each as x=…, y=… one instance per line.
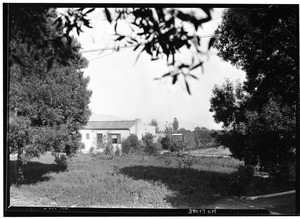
x=131, y=181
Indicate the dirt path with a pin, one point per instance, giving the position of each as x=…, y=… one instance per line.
x=277, y=206
x=26, y=200
x=283, y=205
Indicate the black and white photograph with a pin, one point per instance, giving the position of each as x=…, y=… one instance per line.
x=139, y=109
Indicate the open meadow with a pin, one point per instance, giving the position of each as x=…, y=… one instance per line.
x=136, y=181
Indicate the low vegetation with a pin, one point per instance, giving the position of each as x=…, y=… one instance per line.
x=166, y=181
x=132, y=145
x=128, y=181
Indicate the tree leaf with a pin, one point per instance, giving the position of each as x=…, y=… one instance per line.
x=115, y=27
x=78, y=29
x=196, y=66
x=193, y=76
x=137, y=46
x=174, y=79
x=183, y=16
x=107, y=14
x=187, y=87
x=86, y=23
x=211, y=42
x=58, y=22
x=183, y=66
x=207, y=11
x=167, y=74
x=137, y=58
x=120, y=38
x=198, y=40
x=133, y=39
x=90, y=10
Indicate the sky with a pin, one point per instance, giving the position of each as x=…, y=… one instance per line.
x=123, y=89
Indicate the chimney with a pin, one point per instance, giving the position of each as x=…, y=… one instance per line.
x=138, y=128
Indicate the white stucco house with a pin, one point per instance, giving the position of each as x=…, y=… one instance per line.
x=97, y=134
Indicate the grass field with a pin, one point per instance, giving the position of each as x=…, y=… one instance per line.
x=129, y=181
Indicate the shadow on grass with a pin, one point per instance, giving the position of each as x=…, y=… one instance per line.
x=262, y=186
x=192, y=188
x=33, y=172
x=196, y=188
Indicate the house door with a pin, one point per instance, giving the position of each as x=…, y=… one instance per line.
x=99, y=140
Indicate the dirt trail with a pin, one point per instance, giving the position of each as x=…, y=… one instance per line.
x=280, y=205
x=29, y=201
x=283, y=205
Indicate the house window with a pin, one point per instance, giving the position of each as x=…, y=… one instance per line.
x=87, y=136
x=99, y=139
x=115, y=138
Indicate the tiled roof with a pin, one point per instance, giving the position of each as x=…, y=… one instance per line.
x=104, y=125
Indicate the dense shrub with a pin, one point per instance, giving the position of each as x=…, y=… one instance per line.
x=158, y=145
x=166, y=142
x=91, y=150
x=60, y=159
x=241, y=179
x=260, y=113
x=150, y=146
x=131, y=144
x=292, y=172
x=266, y=139
x=108, y=150
x=174, y=146
x=188, y=161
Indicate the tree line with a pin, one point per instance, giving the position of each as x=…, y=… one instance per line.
x=259, y=115
x=200, y=137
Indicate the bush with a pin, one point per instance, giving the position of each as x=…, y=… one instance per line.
x=173, y=146
x=108, y=149
x=166, y=143
x=131, y=144
x=60, y=159
x=158, y=145
x=150, y=146
x=241, y=179
x=292, y=172
x=189, y=161
x=91, y=150
x=266, y=139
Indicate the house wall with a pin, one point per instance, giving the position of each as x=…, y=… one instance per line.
x=138, y=129
x=92, y=141
x=149, y=129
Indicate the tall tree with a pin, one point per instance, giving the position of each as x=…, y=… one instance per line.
x=168, y=129
x=175, y=125
x=263, y=42
x=154, y=122
x=188, y=136
x=260, y=114
x=47, y=106
x=30, y=23
x=203, y=136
